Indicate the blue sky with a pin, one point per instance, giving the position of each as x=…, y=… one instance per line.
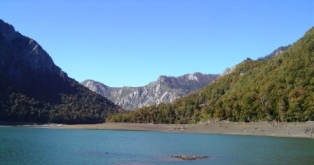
x=133, y=42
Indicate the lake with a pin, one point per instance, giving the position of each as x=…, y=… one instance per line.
x=25, y=145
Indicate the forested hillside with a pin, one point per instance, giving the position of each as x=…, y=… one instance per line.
x=279, y=88
x=34, y=89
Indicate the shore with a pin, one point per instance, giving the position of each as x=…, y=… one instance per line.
x=281, y=129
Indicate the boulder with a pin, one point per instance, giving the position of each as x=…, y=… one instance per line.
x=187, y=157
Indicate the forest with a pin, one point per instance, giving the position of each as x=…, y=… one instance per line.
x=279, y=88
x=74, y=104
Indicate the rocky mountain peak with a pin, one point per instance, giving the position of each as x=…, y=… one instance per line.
x=97, y=87
x=168, y=81
x=164, y=90
x=276, y=52
x=25, y=51
x=162, y=79
x=192, y=77
x=8, y=31
x=228, y=71
x=197, y=76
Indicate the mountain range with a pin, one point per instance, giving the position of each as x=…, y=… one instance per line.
x=34, y=89
x=165, y=90
x=278, y=87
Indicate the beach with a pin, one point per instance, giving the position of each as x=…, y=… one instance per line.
x=263, y=128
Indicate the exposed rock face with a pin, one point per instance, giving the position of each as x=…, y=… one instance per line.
x=164, y=90
x=227, y=71
x=276, y=52
x=26, y=54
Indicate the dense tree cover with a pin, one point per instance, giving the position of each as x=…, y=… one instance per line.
x=280, y=88
x=63, y=101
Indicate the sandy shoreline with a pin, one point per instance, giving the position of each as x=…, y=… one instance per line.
x=282, y=129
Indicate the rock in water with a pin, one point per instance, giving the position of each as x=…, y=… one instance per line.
x=186, y=157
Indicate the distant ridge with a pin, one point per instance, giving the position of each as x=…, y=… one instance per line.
x=164, y=90
x=276, y=52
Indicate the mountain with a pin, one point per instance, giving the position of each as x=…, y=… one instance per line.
x=279, y=88
x=34, y=89
x=276, y=52
x=164, y=90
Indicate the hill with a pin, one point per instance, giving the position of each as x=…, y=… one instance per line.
x=279, y=87
x=34, y=89
x=164, y=90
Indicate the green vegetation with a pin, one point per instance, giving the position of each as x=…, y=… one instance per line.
x=62, y=102
x=279, y=88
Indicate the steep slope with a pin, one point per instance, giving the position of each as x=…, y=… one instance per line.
x=276, y=52
x=164, y=90
x=34, y=89
x=278, y=88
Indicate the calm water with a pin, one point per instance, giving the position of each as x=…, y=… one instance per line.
x=20, y=145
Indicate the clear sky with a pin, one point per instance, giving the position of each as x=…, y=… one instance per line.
x=133, y=42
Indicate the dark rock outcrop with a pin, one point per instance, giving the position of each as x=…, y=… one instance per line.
x=186, y=157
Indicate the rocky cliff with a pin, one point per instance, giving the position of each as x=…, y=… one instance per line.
x=164, y=90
